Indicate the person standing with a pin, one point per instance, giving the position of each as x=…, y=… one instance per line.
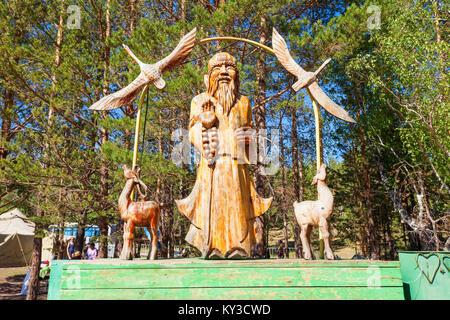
x=280, y=250
x=92, y=252
x=70, y=249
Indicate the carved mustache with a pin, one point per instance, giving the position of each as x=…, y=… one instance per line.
x=220, y=78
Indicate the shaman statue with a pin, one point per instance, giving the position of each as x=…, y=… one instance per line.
x=223, y=204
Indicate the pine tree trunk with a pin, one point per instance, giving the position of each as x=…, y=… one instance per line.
x=390, y=239
x=33, y=282
x=60, y=249
x=79, y=239
x=103, y=221
x=283, y=189
x=170, y=200
x=297, y=168
x=382, y=218
x=374, y=249
x=33, y=286
x=260, y=124
x=129, y=110
x=183, y=10
x=171, y=245
x=130, y=113
x=132, y=17
x=160, y=197
x=359, y=193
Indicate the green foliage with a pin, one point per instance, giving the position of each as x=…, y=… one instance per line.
x=393, y=80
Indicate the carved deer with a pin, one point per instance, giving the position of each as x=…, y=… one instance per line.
x=316, y=213
x=142, y=213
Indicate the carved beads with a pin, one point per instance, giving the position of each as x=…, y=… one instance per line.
x=210, y=143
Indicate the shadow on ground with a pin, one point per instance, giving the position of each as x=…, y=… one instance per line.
x=11, y=286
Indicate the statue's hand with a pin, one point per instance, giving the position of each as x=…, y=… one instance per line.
x=245, y=135
x=205, y=103
x=207, y=116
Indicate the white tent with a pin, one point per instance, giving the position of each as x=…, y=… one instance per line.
x=16, y=239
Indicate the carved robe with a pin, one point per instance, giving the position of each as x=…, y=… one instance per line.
x=223, y=204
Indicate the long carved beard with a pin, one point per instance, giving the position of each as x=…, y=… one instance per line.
x=225, y=93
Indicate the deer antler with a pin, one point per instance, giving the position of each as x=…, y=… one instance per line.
x=141, y=195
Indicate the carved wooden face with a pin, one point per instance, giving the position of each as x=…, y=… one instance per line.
x=222, y=85
x=129, y=174
x=321, y=175
x=223, y=73
x=220, y=76
x=222, y=81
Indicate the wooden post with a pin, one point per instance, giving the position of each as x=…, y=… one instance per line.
x=136, y=133
x=319, y=159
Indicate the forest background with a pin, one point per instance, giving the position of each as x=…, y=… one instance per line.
x=61, y=162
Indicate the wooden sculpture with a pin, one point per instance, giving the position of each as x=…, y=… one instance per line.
x=306, y=79
x=316, y=213
x=223, y=204
x=150, y=73
x=142, y=213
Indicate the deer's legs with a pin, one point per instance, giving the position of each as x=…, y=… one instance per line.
x=154, y=231
x=323, y=226
x=308, y=236
x=304, y=236
x=128, y=241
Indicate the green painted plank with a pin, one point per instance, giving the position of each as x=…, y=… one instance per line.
x=289, y=293
x=200, y=263
x=231, y=277
x=54, y=286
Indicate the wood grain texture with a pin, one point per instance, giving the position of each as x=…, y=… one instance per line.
x=289, y=293
x=54, y=286
x=141, y=213
x=205, y=279
x=316, y=213
x=306, y=79
x=201, y=263
x=225, y=277
x=223, y=203
x=150, y=73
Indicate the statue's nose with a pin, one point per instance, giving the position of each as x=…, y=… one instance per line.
x=223, y=69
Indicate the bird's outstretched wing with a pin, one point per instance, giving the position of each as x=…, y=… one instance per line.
x=283, y=55
x=179, y=54
x=328, y=104
x=121, y=97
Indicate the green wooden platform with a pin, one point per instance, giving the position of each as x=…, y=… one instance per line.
x=272, y=279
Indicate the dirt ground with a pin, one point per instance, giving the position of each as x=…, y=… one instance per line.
x=11, y=280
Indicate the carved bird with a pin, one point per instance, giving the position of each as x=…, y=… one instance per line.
x=305, y=78
x=149, y=73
